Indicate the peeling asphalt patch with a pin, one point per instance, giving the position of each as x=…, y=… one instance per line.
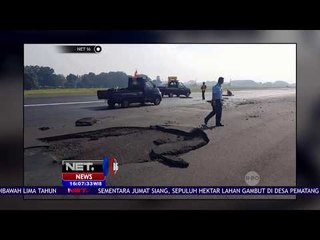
x=128, y=144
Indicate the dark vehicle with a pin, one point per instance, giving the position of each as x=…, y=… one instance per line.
x=175, y=88
x=140, y=90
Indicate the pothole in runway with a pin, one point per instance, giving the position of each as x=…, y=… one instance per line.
x=126, y=144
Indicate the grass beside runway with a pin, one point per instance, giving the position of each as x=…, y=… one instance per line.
x=93, y=91
x=61, y=92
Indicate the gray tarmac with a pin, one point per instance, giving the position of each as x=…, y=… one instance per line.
x=259, y=135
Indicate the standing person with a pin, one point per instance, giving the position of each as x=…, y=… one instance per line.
x=203, y=90
x=216, y=103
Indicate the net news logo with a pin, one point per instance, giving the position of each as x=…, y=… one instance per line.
x=88, y=173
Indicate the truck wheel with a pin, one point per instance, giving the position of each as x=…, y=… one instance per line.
x=188, y=94
x=170, y=94
x=157, y=101
x=111, y=103
x=125, y=104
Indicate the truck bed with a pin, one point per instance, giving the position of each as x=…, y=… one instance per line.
x=118, y=94
x=140, y=90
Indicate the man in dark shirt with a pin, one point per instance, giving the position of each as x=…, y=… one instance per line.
x=203, y=90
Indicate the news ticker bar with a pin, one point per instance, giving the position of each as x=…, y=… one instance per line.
x=217, y=191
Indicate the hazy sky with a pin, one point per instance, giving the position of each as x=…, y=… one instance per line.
x=259, y=62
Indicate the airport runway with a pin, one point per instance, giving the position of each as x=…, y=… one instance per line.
x=259, y=135
x=60, y=113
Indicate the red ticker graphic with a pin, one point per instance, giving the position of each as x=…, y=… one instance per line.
x=78, y=190
x=83, y=176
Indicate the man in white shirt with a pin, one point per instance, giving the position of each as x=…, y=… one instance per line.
x=216, y=104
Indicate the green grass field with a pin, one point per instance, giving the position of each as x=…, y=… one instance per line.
x=61, y=92
x=93, y=91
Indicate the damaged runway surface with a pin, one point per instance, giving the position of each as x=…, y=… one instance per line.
x=165, y=144
x=145, y=144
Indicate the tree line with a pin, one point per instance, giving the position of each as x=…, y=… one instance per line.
x=37, y=77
